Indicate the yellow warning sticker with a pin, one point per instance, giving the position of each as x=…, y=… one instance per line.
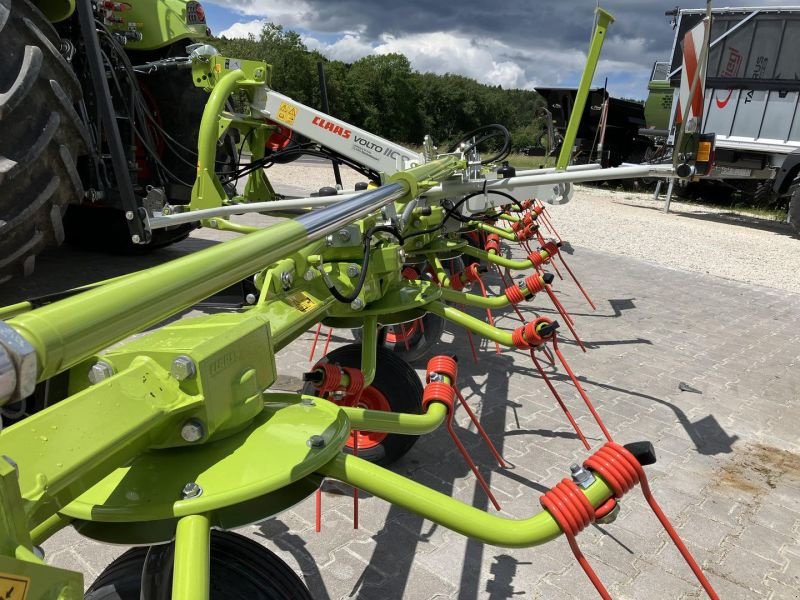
x=287, y=113
x=301, y=302
x=14, y=587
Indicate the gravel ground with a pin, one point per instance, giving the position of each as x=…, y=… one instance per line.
x=693, y=238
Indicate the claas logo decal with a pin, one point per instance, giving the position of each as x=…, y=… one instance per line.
x=332, y=127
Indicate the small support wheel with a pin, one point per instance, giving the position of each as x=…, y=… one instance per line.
x=396, y=388
x=240, y=568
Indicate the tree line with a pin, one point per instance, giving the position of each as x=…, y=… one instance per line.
x=384, y=95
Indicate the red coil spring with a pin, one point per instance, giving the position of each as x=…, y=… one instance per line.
x=514, y=294
x=550, y=248
x=356, y=385
x=492, y=243
x=569, y=506
x=536, y=259
x=621, y=471
x=331, y=377
x=445, y=365
x=527, y=336
x=526, y=204
x=472, y=273
x=439, y=391
x=538, y=210
x=535, y=283
x=618, y=467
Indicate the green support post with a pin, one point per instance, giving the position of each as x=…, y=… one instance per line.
x=604, y=19
x=192, y=569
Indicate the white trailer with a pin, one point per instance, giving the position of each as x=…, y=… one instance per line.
x=752, y=95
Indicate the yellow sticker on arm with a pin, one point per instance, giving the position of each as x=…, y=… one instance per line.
x=286, y=113
x=14, y=587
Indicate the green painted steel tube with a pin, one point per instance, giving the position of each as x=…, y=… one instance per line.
x=492, y=257
x=48, y=528
x=490, y=302
x=12, y=310
x=604, y=19
x=71, y=330
x=503, y=233
x=209, y=132
x=474, y=325
x=192, y=570
x=448, y=512
x=362, y=419
x=369, y=348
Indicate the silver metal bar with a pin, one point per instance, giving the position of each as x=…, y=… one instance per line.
x=512, y=183
x=241, y=209
x=570, y=169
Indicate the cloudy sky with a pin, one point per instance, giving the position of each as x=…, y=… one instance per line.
x=513, y=43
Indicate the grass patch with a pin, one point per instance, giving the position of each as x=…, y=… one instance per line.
x=521, y=161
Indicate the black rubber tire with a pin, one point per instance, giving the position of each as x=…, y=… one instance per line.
x=400, y=385
x=240, y=568
x=421, y=342
x=42, y=137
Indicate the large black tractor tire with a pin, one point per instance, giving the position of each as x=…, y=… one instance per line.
x=396, y=388
x=41, y=137
x=240, y=568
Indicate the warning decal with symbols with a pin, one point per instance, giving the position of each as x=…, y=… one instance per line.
x=286, y=113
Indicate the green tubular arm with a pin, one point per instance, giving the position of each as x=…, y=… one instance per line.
x=603, y=20
x=209, y=133
x=493, y=257
x=225, y=225
x=503, y=233
x=363, y=419
x=474, y=325
x=441, y=273
x=474, y=300
x=450, y=513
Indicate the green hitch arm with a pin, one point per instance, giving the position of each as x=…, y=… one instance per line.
x=604, y=19
x=207, y=191
x=490, y=302
x=362, y=419
x=448, y=512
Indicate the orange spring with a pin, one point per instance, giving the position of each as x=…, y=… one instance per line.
x=439, y=391
x=536, y=259
x=472, y=273
x=550, y=248
x=535, y=283
x=356, y=382
x=514, y=294
x=538, y=210
x=492, y=243
x=527, y=336
x=569, y=506
x=331, y=377
x=445, y=365
x=617, y=466
x=526, y=204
